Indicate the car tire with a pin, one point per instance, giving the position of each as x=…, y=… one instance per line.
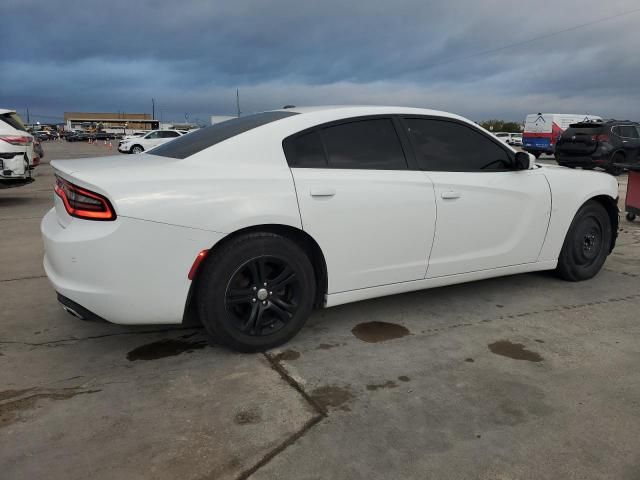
x=236, y=307
x=537, y=155
x=587, y=243
x=136, y=149
x=630, y=216
x=611, y=168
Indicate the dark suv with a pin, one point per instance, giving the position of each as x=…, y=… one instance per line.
x=599, y=144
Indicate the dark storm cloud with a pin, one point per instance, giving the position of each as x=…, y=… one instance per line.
x=191, y=55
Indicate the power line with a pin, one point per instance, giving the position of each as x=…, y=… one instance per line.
x=530, y=40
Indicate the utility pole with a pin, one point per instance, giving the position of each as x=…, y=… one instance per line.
x=28, y=118
x=238, y=101
x=153, y=109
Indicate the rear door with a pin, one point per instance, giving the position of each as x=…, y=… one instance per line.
x=630, y=141
x=580, y=139
x=488, y=215
x=372, y=215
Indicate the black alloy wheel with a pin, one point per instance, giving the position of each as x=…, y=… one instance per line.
x=255, y=291
x=263, y=296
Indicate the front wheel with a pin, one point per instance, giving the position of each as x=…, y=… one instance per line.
x=256, y=292
x=630, y=216
x=137, y=149
x=587, y=243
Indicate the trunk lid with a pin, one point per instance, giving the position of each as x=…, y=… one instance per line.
x=579, y=139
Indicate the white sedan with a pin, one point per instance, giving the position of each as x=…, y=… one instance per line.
x=147, y=141
x=251, y=223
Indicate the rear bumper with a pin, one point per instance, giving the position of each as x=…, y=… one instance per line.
x=127, y=271
x=580, y=161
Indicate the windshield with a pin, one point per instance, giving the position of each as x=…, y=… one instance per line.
x=14, y=120
x=187, y=145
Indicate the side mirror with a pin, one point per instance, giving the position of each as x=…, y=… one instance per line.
x=524, y=161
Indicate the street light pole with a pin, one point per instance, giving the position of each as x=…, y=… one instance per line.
x=153, y=109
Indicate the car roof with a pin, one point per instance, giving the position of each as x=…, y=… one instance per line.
x=352, y=110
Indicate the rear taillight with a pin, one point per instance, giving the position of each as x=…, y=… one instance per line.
x=82, y=203
x=16, y=139
x=600, y=138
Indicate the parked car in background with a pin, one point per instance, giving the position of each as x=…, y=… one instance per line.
x=255, y=221
x=38, y=151
x=509, y=138
x=134, y=135
x=17, y=157
x=516, y=140
x=78, y=137
x=542, y=130
x=503, y=136
x=104, y=136
x=599, y=144
x=148, y=141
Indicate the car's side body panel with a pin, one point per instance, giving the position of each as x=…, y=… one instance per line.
x=129, y=271
x=393, y=289
x=488, y=220
x=375, y=227
x=571, y=189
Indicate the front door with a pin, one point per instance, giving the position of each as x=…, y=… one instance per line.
x=488, y=214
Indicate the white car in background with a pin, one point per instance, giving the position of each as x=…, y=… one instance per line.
x=253, y=222
x=148, y=141
x=17, y=157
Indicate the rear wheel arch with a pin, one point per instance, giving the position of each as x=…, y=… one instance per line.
x=300, y=237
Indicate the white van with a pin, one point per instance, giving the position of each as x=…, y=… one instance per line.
x=542, y=130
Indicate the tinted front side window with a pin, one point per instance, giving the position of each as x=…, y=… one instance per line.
x=366, y=144
x=451, y=147
x=197, y=141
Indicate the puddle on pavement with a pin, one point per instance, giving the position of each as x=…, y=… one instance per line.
x=248, y=417
x=517, y=351
x=387, y=384
x=404, y=378
x=287, y=355
x=164, y=348
x=10, y=411
x=374, y=332
x=332, y=396
x=470, y=360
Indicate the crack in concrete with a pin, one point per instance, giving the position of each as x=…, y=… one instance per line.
x=94, y=337
x=22, y=278
x=321, y=414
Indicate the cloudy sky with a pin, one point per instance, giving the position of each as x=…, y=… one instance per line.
x=189, y=55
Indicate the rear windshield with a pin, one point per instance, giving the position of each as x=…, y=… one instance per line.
x=14, y=120
x=582, y=129
x=197, y=141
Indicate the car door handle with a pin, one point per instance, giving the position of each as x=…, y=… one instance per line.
x=450, y=195
x=322, y=192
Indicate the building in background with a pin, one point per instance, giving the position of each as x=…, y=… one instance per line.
x=109, y=121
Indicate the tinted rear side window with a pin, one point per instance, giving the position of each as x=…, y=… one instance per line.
x=306, y=151
x=365, y=144
x=451, y=147
x=197, y=141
